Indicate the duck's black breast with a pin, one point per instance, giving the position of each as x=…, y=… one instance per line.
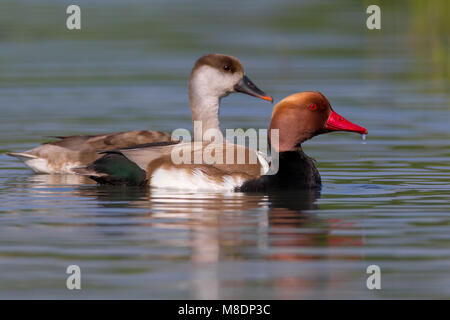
x=296, y=171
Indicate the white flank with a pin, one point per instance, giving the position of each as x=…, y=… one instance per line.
x=264, y=161
x=40, y=165
x=183, y=179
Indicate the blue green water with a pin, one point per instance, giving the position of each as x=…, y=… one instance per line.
x=384, y=202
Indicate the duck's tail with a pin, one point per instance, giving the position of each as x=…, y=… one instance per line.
x=21, y=155
x=114, y=169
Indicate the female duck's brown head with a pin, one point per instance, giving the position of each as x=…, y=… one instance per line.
x=303, y=115
x=219, y=75
x=213, y=77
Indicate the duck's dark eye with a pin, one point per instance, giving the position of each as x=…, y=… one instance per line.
x=226, y=67
x=312, y=106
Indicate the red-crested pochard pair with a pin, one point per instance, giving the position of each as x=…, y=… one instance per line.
x=145, y=158
x=298, y=118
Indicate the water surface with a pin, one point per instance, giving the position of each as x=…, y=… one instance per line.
x=384, y=202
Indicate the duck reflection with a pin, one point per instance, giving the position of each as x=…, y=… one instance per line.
x=288, y=214
x=46, y=180
x=226, y=233
x=230, y=241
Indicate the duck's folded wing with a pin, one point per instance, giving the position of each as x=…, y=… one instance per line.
x=138, y=165
x=240, y=159
x=126, y=166
x=143, y=155
x=67, y=152
x=110, y=141
x=115, y=169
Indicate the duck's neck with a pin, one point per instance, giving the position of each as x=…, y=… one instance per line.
x=296, y=171
x=205, y=114
x=205, y=101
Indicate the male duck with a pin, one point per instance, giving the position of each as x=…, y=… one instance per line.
x=213, y=77
x=297, y=118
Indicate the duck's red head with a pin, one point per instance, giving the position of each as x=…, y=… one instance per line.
x=303, y=115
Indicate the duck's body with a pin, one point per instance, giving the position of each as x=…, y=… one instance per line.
x=213, y=77
x=297, y=118
x=155, y=165
x=70, y=152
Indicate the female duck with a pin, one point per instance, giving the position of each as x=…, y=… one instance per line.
x=213, y=77
x=297, y=118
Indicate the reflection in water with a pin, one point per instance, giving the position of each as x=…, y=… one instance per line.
x=221, y=232
x=45, y=180
x=217, y=228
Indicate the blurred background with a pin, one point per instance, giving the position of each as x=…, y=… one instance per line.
x=384, y=202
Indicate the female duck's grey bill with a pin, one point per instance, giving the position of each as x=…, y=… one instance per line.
x=248, y=87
